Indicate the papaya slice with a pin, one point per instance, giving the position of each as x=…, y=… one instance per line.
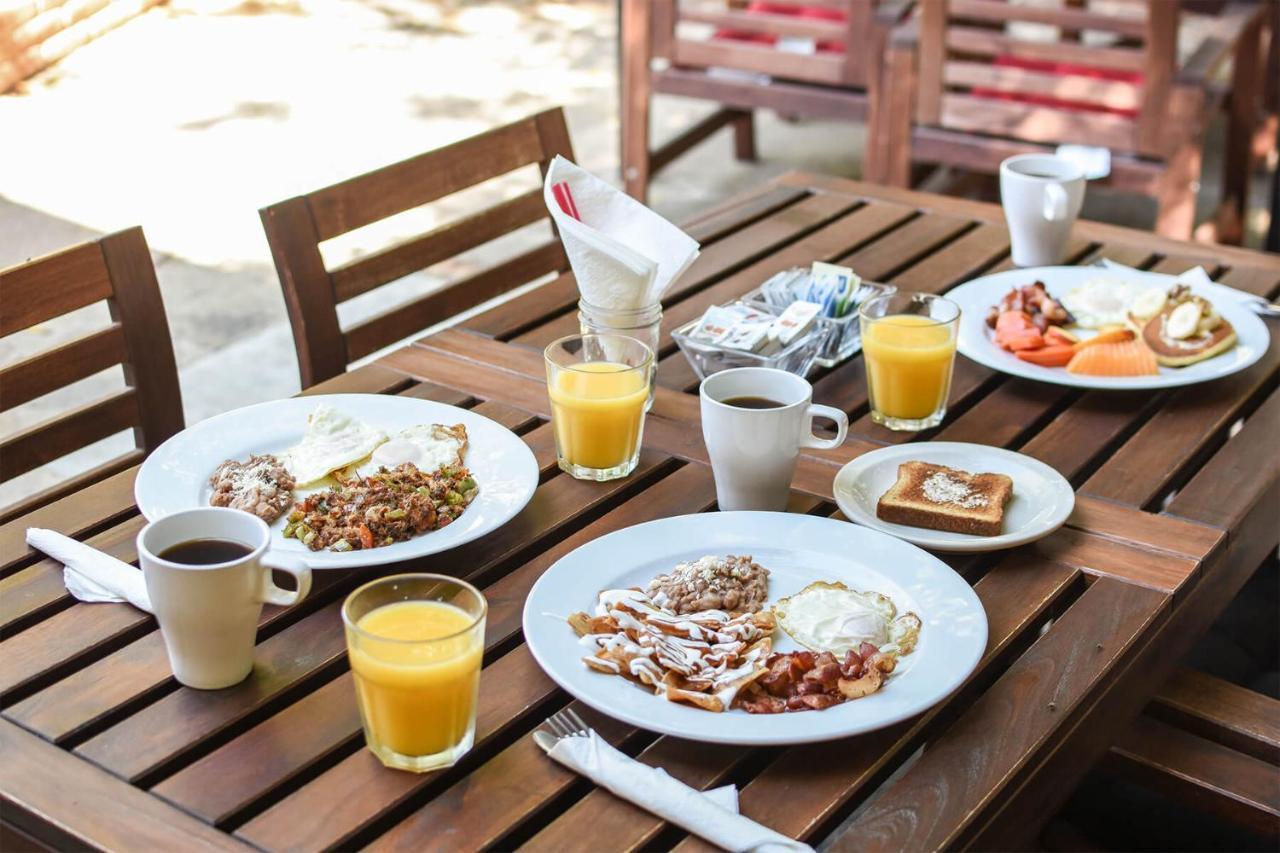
x=1058, y=355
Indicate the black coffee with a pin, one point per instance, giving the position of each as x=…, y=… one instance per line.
x=205, y=552
x=752, y=403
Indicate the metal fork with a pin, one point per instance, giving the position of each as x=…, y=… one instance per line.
x=562, y=724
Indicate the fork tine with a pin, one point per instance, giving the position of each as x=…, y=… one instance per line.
x=557, y=724
x=582, y=727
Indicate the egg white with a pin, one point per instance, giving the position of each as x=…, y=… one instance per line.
x=427, y=446
x=333, y=440
x=1101, y=302
x=830, y=617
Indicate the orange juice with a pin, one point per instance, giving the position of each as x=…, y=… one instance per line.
x=417, y=675
x=597, y=409
x=909, y=359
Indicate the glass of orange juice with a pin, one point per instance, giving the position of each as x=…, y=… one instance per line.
x=909, y=346
x=599, y=387
x=415, y=643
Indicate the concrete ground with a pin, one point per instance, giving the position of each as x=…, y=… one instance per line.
x=191, y=117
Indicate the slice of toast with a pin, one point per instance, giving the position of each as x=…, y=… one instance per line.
x=942, y=498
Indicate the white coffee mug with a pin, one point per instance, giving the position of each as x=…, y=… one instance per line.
x=209, y=614
x=753, y=451
x=1041, y=195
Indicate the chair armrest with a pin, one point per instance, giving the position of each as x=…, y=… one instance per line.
x=1232, y=23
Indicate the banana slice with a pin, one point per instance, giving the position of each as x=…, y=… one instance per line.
x=1148, y=303
x=1183, y=321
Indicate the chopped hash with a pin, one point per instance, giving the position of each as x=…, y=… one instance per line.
x=389, y=506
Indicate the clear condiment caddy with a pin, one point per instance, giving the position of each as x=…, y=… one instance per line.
x=796, y=357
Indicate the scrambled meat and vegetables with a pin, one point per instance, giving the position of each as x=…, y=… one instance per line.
x=390, y=506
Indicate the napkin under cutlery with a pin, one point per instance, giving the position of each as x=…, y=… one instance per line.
x=89, y=574
x=713, y=815
x=624, y=256
x=1198, y=276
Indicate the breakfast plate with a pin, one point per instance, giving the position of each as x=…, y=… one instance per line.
x=977, y=341
x=1041, y=502
x=176, y=475
x=797, y=550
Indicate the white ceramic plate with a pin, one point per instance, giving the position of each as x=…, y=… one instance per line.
x=176, y=476
x=1042, y=498
x=797, y=550
x=976, y=341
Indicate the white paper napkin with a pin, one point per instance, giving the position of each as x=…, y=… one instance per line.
x=1195, y=275
x=89, y=574
x=653, y=790
x=623, y=255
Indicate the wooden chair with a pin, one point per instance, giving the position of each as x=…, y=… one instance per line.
x=118, y=269
x=296, y=227
x=961, y=89
x=658, y=56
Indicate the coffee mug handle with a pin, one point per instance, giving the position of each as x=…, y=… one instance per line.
x=1055, y=202
x=842, y=428
x=272, y=594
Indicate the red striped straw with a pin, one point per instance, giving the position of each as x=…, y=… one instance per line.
x=565, y=199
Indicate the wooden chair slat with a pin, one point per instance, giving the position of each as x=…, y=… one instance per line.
x=764, y=22
x=815, y=101
x=56, y=367
x=296, y=227
x=999, y=11
x=1206, y=776
x=1217, y=710
x=403, y=320
x=983, y=42
x=427, y=177
x=34, y=777
x=955, y=783
x=56, y=437
x=52, y=285
x=1113, y=94
x=826, y=69
x=1035, y=123
x=364, y=274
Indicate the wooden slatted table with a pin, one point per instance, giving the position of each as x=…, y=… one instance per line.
x=1178, y=501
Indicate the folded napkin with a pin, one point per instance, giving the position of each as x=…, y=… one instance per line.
x=89, y=574
x=708, y=815
x=623, y=255
x=1195, y=275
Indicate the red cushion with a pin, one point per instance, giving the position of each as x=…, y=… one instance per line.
x=759, y=7
x=1060, y=69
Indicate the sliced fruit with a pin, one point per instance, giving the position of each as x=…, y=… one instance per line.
x=1117, y=335
x=1183, y=321
x=1050, y=356
x=1055, y=336
x=1127, y=358
x=1015, y=330
x=1148, y=303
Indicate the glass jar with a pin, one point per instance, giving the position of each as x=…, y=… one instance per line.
x=643, y=324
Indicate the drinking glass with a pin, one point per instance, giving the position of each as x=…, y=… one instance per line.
x=599, y=387
x=909, y=346
x=415, y=643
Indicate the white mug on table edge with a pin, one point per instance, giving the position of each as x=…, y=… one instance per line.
x=1041, y=195
x=208, y=613
x=753, y=451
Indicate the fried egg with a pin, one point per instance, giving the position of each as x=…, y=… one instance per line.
x=428, y=446
x=333, y=440
x=830, y=617
x=1101, y=302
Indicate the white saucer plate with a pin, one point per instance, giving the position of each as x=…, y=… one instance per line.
x=1042, y=498
x=797, y=550
x=176, y=476
x=976, y=342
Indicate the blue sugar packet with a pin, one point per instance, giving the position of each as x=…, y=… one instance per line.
x=834, y=287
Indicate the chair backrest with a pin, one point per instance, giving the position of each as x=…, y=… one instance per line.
x=745, y=37
x=978, y=73
x=117, y=269
x=296, y=228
